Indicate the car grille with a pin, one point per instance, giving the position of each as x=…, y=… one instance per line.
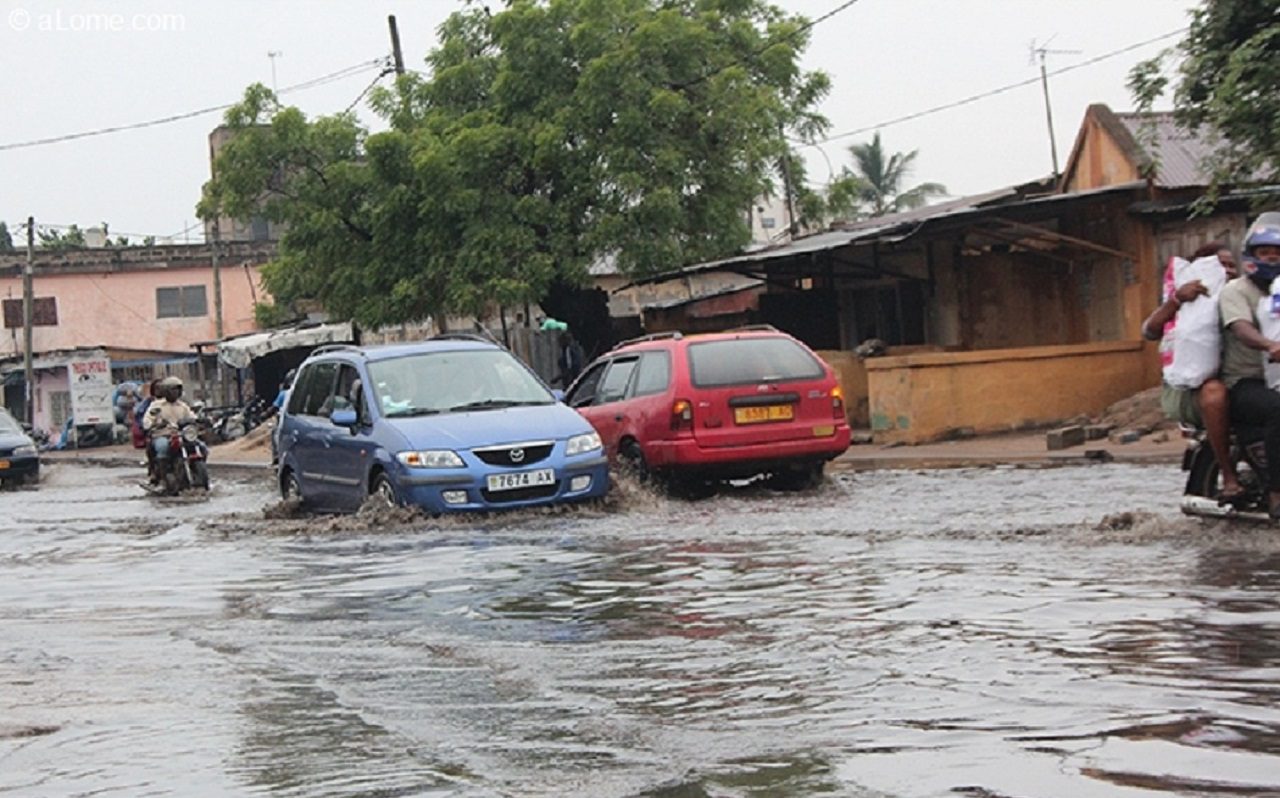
x=515, y=455
x=6, y=452
x=520, y=494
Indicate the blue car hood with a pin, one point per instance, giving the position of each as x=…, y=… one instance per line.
x=12, y=440
x=490, y=427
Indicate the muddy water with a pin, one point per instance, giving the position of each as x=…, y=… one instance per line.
x=990, y=633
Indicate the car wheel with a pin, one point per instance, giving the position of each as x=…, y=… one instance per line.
x=806, y=477
x=384, y=491
x=290, y=488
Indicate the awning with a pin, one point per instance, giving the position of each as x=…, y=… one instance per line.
x=240, y=352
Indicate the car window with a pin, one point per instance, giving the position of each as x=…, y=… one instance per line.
x=614, y=384
x=739, y=361
x=583, y=394
x=654, y=373
x=350, y=392
x=317, y=387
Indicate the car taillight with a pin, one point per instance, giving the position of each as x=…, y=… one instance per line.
x=681, y=415
x=837, y=402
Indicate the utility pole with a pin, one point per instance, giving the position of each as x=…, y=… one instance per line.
x=217, y=285
x=792, y=226
x=1042, y=51
x=28, y=303
x=273, y=55
x=395, y=44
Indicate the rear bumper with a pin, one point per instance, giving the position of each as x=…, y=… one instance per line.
x=742, y=461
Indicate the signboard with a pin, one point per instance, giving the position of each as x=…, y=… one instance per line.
x=91, y=390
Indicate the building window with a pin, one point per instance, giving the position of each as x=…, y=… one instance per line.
x=44, y=313
x=183, y=301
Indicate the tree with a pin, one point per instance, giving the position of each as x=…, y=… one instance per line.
x=1225, y=85
x=71, y=238
x=874, y=186
x=549, y=134
x=6, y=240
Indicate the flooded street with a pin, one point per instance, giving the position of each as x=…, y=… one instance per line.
x=994, y=632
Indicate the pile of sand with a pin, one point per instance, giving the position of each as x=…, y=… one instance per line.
x=1140, y=412
x=258, y=439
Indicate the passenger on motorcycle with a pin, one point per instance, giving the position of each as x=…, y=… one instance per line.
x=1251, y=401
x=1206, y=406
x=163, y=417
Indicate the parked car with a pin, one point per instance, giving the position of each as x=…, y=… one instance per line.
x=19, y=458
x=453, y=423
x=702, y=408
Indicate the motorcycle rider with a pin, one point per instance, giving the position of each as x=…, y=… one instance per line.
x=1251, y=401
x=164, y=415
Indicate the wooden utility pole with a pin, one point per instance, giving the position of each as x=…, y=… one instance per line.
x=28, y=309
x=217, y=305
x=395, y=44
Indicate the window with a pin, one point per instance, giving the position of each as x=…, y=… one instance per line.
x=584, y=392
x=740, y=361
x=614, y=385
x=44, y=312
x=315, y=386
x=654, y=373
x=183, y=301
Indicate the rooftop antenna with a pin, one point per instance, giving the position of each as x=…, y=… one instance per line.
x=1040, y=52
x=273, y=55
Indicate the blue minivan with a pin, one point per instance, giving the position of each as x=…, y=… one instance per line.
x=452, y=423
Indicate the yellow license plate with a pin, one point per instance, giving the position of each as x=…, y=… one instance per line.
x=4, y=464
x=763, y=413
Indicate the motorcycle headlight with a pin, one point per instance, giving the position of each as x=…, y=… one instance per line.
x=580, y=444
x=431, y=458
x=190, y=434
x=24, y=451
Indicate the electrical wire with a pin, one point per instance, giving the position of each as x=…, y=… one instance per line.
x=984, y=95
x=320, y=81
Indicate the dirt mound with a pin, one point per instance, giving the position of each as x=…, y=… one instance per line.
x=258, y=439
x=1140, y=412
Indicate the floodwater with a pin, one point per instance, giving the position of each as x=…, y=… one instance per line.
x=1000, y=632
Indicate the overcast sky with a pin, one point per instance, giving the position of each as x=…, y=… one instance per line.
x=76, y=67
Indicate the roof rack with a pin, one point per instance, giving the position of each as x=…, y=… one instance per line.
x=754, y=328
x=659, y=336
x=323, y=348
x=461, y=336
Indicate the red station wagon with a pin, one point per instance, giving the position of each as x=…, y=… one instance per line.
x=729, y=405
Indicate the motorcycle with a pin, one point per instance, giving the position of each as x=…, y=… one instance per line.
x=1204, y=480
x=187, y=464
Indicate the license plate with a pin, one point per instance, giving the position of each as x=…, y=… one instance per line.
x=521, y=479
x=763, y=413
x=4, y=464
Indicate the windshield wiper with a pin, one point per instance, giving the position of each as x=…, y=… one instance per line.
x=494, y=404
x=412, y=411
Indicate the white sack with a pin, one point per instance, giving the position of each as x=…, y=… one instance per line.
x=1197, y=336
x=1269, y=326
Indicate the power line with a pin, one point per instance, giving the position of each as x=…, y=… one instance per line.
x=984, y=95
x=331, y=77
x=386, y=71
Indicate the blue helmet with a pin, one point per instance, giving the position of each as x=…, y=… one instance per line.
x=1264, y=232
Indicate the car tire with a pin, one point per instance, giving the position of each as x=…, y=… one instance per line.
x=290, y=487
x=384, y=490
x=806, y=477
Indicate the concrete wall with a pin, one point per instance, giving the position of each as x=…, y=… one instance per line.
x=118, y=308
x=924, y=397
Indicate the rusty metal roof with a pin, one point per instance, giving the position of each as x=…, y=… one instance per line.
x=1180, y=153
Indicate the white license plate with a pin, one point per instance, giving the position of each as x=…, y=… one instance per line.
x=521, y=479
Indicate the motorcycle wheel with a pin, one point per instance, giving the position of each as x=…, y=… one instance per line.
x=1205, y=479
x=172, y=487
x=200, y=475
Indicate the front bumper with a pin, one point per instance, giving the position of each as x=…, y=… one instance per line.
x=427, y=488
x=27, y=466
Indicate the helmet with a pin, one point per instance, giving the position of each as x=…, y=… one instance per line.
x=1264, y=232
x=171, y=388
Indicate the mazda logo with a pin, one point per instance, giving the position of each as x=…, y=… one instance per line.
x=517, y=455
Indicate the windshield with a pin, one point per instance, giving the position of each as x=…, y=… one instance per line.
x=454, y=382
x=7, y=424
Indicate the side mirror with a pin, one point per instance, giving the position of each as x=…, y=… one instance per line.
x=344, y=418
x=558, y=394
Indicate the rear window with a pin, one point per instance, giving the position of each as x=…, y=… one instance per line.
x=746, y=360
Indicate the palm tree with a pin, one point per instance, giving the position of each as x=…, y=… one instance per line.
x=873, y=187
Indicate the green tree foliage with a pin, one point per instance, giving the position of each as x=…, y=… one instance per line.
x=548, y=134
x=6, y=240
x=874, y=186
x=71, y=238
x=1225, y=85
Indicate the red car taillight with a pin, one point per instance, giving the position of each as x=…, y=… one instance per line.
x=837, y=402
x=681, y=415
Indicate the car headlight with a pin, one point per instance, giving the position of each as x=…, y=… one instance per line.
x=24, y=451
x=431, y=458
x=580, y=444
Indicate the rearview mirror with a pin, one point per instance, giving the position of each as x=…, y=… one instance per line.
x=344, y=418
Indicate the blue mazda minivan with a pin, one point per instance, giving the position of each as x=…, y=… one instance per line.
x=452, y=423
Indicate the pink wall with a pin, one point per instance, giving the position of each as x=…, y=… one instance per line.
x=118, y=308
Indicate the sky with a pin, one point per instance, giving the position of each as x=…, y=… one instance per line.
x=77, y=67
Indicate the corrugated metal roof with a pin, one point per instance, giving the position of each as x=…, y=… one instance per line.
x=1180, y=153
